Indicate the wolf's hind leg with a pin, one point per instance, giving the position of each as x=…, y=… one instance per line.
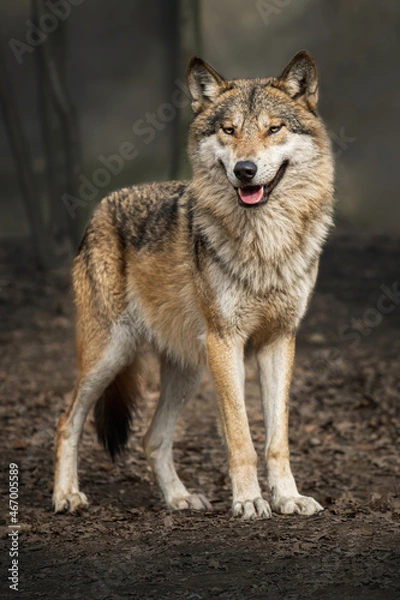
x=177, y=387
x=113, y=358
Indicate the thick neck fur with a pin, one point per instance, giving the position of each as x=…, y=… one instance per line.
x=276, y=244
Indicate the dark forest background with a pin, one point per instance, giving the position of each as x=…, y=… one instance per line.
x=85, y=94
x=100, y=104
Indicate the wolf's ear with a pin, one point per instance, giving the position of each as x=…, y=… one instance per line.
x=300, y=79
x=205, y=84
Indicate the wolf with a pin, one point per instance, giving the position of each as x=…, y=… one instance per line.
x=206, y=271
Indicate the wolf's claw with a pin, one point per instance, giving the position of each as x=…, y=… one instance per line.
x=191, y=502
x=250, y=510
x=296, y=505
x=72, y=503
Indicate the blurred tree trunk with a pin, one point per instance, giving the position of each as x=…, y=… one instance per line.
x=48, y=124
x=54, y=72
x=41, y=240
x=60, y=128
x=187, y=42
x=171, y=32
x=67, y=114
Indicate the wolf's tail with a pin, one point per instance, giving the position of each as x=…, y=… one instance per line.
x=115, y=408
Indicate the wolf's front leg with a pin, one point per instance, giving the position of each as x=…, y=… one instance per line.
x=275, y=363
x=225, y=358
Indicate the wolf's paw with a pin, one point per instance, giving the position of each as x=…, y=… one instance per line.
x=73, y=503
x=252, y=509
x=296, y=505
x=190, y=502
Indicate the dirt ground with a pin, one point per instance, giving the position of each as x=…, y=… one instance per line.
x=344, y=433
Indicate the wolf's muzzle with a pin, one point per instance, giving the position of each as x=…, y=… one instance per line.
x=257, y=195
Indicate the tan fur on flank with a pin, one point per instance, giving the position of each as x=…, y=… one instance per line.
x=204, y=271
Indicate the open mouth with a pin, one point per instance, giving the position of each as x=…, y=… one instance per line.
x=252, y=196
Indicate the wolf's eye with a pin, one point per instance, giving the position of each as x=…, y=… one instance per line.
x=228, y=130
x=274, y=129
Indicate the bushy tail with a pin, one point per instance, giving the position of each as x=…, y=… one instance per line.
x=114, y=410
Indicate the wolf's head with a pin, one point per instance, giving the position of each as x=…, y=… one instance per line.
x=259, y=134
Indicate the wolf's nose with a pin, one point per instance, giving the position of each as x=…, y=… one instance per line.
x=245, y=170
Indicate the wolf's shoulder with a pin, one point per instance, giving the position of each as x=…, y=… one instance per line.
x=146, y=196
x=144, y=213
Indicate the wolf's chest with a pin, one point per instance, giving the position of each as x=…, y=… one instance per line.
x=250, y=312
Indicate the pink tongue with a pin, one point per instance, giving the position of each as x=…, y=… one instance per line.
x=252, y=194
